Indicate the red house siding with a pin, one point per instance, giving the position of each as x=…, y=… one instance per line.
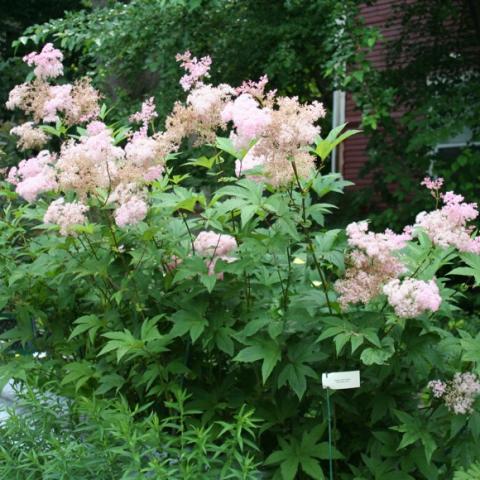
x=380, y=15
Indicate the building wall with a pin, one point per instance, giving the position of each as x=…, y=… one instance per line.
x=354, y=155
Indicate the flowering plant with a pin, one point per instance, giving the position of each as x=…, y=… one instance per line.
x=135, y=285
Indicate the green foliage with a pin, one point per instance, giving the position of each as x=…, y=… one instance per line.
x=428, y=94
x=115, y=320
x=473, y=473
x=129, y=48
x=49, y=437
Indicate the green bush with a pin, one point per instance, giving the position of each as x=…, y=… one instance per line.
x=47, y=437
x=240, y=295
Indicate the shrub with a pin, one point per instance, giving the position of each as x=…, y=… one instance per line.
x=49, y=437
x=136, y=285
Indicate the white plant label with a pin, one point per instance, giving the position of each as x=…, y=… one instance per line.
x=341, y=380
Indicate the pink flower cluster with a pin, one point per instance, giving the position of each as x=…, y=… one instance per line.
x=432, y=184
x=372, y=263
x=66, y=215
x=33, y=176
x=248, y=119
x=48, y=63
x=29, y=137
x=77, y=102
x=255, y=89
x=144, y=116
x=197, y=69
x=90, y=163
x=459, y=393
x=17, y=96
x=131, y=212
x=214, y=246
x=410, y=298
x=281, y=127
x=447, y=227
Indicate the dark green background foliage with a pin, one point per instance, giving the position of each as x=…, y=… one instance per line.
x=433, y=79
x=130, y=48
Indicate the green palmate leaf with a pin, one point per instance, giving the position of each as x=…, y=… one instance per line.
x=312, y=468
x=266, y=350
x=226, y=145
x=296, y=376
x=78, y=373
x=190, y=322
x=122, y=343
x=325, y=146
x=205, y=162
x=87, y=323
x=472, y=473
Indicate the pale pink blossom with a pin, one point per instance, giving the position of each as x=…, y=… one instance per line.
x=131, y=212
x=249, y=120
x=66, y=215
x=59, y=100
x=28, y=136
x=196, y=69
x=153, y=173
x=95, y=128
x=410, y=298
x=372, y=263
x=459, y=393
x=432, y=184
x=144, y=116
x=141, y=151
x=214, y=244
x=17, y=96
x=48, y=63
x=255, y=89
x=91, y=163
x=447, y=227
x=437, y=387
x=205, y=98
x=34, y=176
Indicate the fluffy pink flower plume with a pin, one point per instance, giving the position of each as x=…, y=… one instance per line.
x=216, y=247
x=17, y=96
x=249, y=120
x=29, y=136
x=145, y=116
x=33, y=176
x=95, y=128
x=211, y=243
x=459, y=393
x=372, y=263
x=197, y=69
x=66, y=215
x=255, y=89
x=133, y=211
x=91, y=163
x=153, y=173
x=141, y=150
x=204, y=98
x=48, y=63
x=410, y=298
x=375, y=244
x=432, y=184
x=59, y=100
x=447, y=227
x=437, y=387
